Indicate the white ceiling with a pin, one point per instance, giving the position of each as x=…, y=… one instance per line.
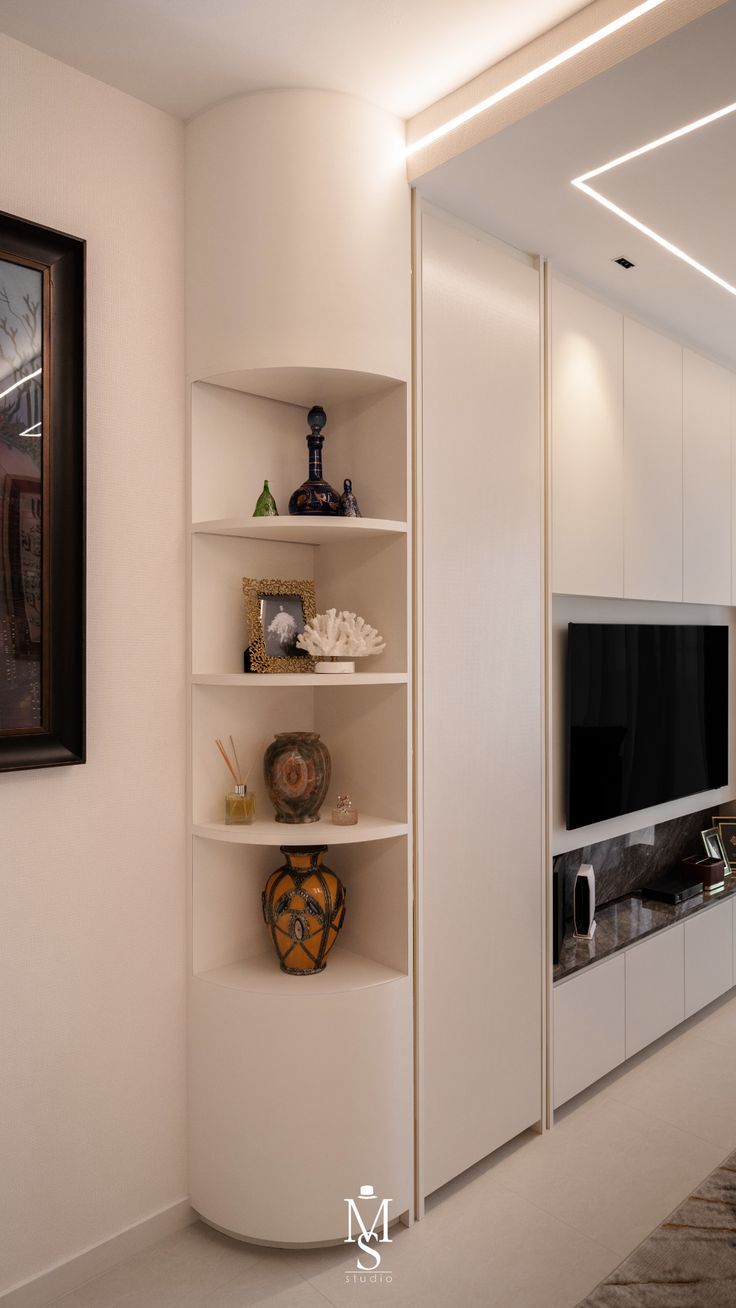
x=184, y=55
x=516, y=184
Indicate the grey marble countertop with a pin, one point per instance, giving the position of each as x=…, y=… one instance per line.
x=627, y=920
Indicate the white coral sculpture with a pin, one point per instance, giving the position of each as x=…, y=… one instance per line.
x=340, y=635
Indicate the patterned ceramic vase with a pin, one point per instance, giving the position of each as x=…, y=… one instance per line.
x=297, y=769
x=304, y=908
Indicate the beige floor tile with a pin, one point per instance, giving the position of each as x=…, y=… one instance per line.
x=270, y=1283
x=183, y=1271
x=610, y=1171
x=485, y=1247
x=690, y=1084
x=718, y=1022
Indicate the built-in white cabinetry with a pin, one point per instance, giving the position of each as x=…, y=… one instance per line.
x=587, y=445
x=652, y=460
x=708, y=957
x=609, y=1011
x=655, y=988
x=733, y=490
x=641, y=460
x=706, y=393
x=479, y=783
x=589, y=1027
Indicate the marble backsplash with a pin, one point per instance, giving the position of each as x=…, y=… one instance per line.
x=623, y=863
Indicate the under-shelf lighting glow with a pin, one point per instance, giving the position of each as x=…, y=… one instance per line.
x=29, y=377
x=534, y=75
x=582, y=184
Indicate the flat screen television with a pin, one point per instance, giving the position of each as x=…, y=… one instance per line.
x=647, y=716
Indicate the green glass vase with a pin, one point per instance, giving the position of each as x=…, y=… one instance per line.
x=265, y=504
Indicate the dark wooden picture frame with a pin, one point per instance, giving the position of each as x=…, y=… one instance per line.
x=56, y=736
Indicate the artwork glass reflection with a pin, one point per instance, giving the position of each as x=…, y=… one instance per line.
x=22, y=671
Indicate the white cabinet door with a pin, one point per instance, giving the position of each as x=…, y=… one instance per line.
x=655, y=988
x=589, y=1027
x=652, y=464
x=733, y=491
x=482, y=712
x=706, y=394
x=708, y=957
x=587, y=445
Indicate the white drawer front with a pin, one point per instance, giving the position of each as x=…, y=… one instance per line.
x=589, y=1028
x=708, y=957
x=655, y=988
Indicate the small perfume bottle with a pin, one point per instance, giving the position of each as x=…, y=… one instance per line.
x=344, y=815
x=240, y=807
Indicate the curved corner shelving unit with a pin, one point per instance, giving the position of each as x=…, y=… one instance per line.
x=309, y=308
x=259, y=1039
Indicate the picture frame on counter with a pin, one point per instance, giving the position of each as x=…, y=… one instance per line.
x=726, y=825
x=713, y=843
x=276, y=613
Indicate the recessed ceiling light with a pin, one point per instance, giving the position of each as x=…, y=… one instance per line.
x=534, y=74
x=625, y=263
x=582, y=183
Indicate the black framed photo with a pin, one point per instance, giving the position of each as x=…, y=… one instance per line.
x=42, y=532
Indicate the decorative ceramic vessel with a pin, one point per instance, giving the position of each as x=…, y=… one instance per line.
x=265, y=504
x=297, y=770
x=303, y=908
x=315, y=495
x=348, y=503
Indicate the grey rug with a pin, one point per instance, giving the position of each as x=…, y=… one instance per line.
x=689, y=1261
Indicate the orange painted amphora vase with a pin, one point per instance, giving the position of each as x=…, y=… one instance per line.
x=304, y=908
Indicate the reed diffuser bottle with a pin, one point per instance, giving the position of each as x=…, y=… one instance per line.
x=240, y=806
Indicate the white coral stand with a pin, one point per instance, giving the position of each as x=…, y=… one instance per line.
x=298, y=271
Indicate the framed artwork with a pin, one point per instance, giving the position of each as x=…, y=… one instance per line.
x=727, y=829
x=276, y=613
x=42, y=719
x=713, y=844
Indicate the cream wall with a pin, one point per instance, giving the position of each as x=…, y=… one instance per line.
x=92, y=890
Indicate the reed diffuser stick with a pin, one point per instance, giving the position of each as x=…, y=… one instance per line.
x=229, y=765
x=237, y=764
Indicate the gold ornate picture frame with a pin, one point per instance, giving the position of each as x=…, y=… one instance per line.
x=275, y=614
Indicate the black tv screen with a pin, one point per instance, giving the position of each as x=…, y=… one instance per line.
x=647, y=716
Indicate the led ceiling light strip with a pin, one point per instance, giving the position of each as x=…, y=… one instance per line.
x=31, y=431
x=534, y=74
x=582, y=185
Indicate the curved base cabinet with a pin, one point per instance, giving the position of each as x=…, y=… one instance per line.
x=300, y=1093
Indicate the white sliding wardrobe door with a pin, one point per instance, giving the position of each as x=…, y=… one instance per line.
x=480, y=543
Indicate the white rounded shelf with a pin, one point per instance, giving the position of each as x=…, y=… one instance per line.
x=267, y=831
x=301, y=531
x=345, y=970
x=284, y=679
x=300, y=385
